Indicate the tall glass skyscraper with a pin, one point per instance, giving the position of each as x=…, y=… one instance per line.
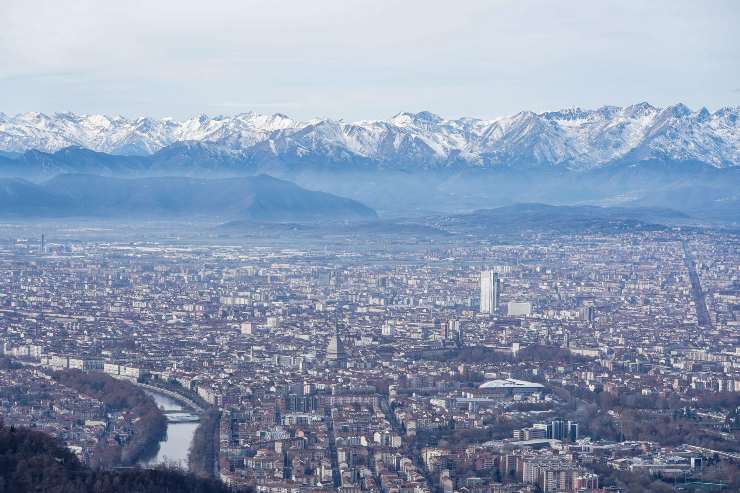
x=490, y=287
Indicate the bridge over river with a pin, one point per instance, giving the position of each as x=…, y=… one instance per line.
x=174, y=396
x=183, y=416
x=178, y=416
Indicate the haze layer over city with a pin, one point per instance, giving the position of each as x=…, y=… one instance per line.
x=368, y=247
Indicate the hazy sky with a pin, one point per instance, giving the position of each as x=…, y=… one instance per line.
x=364, y=59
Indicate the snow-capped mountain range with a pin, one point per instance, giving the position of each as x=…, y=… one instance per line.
x=574, y=138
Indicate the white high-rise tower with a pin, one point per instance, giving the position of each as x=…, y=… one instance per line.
x=490, y=286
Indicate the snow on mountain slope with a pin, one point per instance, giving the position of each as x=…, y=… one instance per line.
x=572, y=138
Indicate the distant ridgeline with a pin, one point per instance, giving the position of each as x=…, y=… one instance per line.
x=259, y=198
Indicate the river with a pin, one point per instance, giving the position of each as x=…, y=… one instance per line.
x=174, y=448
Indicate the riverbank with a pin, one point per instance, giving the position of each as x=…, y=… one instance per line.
x=202, y=449
x=139, y=425
x=174, y=447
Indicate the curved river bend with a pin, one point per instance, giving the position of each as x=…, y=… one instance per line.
x=174, y=448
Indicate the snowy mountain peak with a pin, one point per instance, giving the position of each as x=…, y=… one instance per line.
x=678, y=110
x=575, y=138
x=640, y=110
x=422, y=118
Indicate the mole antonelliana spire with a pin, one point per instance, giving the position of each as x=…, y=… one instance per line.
x=336, y=354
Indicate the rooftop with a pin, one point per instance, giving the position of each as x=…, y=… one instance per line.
x=510, y=383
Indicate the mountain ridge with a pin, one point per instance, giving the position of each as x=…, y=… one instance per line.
x=573, y=138
x=258, y=198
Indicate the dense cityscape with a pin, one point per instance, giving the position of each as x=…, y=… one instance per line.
x=544, y=363
x=356, y=246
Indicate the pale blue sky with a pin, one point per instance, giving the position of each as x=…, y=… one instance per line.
x=364, y=59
